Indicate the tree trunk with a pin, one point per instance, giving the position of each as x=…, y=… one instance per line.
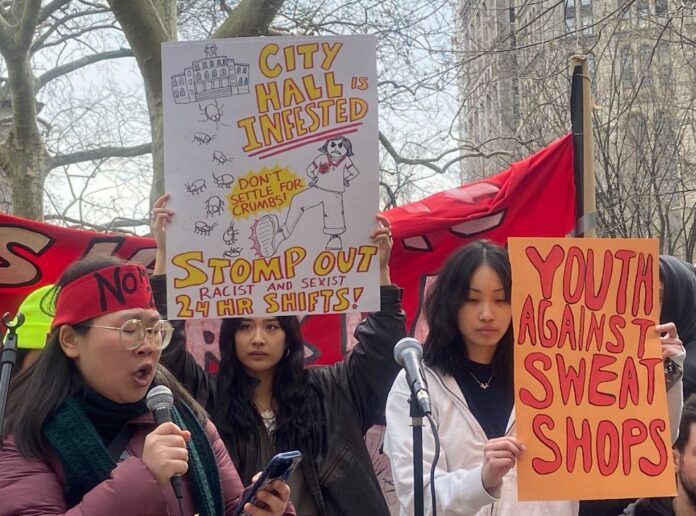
x=25, y=156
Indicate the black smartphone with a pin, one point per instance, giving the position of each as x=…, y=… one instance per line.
x=279, y=467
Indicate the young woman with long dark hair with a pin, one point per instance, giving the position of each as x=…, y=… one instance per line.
x=265, y=401
x=79, y=438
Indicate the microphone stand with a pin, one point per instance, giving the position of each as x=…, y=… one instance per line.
x=8, y=359
x=417, y=416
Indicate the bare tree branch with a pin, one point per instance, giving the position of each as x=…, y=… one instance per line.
x=99, y=153
x=80, y=63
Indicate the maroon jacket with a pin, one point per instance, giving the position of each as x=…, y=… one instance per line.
x=33, y=487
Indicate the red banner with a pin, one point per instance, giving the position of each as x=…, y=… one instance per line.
x=534, y=197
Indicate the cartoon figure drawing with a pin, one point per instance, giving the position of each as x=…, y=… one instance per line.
x=330, y=174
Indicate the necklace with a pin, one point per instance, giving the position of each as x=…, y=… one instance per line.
x=483, y=385
x=268, y=418
x=267, y=414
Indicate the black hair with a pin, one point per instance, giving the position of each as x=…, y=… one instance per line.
x=444, y=346
x=298, y=411
x=37, y=392
x=688, y=417
x=345, y=141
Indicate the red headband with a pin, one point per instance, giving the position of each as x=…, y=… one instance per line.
x=107, y=290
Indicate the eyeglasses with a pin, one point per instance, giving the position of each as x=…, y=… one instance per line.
x=132, y=333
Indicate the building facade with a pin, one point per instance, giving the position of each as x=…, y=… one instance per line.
x=641, y=54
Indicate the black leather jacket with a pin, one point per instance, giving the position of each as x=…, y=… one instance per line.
x=353, y=395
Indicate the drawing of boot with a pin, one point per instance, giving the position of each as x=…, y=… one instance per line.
x=334, y=243
x=267, y=235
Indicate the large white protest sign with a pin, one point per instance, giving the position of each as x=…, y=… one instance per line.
x=271, y=163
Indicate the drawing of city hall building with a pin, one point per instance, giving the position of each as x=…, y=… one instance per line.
x=210, y=78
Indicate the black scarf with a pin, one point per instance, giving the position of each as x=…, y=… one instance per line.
x=79, y=444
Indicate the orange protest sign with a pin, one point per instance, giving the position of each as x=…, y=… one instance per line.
x=590, y=397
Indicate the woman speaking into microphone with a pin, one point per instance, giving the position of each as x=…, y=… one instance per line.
x=79, y=438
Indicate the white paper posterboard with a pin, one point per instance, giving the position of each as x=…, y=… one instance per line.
x=271, y=161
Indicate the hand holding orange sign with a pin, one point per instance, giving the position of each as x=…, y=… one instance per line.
x=590, y=390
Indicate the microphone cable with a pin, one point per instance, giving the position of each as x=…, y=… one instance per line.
x=434, y=463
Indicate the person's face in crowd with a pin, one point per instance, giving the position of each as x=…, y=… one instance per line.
x=117, y=373
x=485, y=315
x=260, y=345
x=686, y=467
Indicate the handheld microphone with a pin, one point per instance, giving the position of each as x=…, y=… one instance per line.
x=160, y=401
x=408, y=353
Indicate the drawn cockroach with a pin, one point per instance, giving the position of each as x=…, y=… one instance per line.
x=214, y=205
x=220, y=158
x=196, y=187
x=203, y=138
x=201, y=228
x=231, y=234
x=232, y=252
x=212, y=112
x=223, y=181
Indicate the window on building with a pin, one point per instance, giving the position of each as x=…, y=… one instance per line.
x=206, y=75
x=587, y=23
x=223, y=72
x=489, y=109
x=627, y=68
x=570, y=16
x=214, y=74
x=205, y=64
x=182, y=93
x=198, y=76
x=591, y=69
x=645, y=58
x=642, y=12
x=660, y=7
x=664, y=60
